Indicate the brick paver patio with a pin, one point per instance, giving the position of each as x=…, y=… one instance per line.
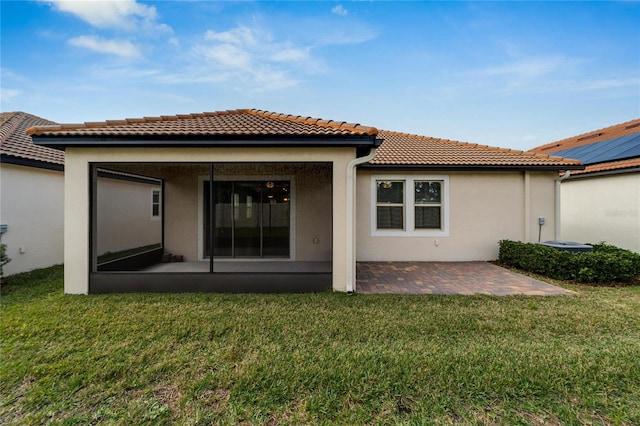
x=448, y=278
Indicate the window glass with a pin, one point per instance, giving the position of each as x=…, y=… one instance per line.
x=390, y=192
x=390, y=204
x=155, y=203
x=427, y=217
x=428, y=210
x=390, y=217
x=428, y=192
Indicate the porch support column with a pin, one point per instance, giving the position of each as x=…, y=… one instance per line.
x=212, y=217
x=341, y=249
x=76, y=223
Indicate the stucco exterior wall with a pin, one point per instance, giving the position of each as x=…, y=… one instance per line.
x=124, y=215
x=181, y=195
x=603, y=208
x=484, y=207
x=31, y=201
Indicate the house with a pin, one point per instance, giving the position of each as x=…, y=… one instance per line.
x=31, y=207
x=260, y=201
x=602, y=202
x=31, y=196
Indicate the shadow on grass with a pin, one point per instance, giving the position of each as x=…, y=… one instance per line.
x=34, y=284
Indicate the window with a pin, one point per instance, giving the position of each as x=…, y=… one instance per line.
x=155, y=203
x=411, y=205
x=390, y=204
x=428, y=204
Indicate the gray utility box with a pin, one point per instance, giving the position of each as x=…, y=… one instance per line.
x=568, y=246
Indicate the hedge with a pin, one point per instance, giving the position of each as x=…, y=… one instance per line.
x=606, y=263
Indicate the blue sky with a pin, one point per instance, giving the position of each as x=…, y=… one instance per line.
x=510, y=74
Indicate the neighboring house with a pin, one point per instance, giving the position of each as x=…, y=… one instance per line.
x=32, y=201
x=260, y=201
x=602, y=202
x=31, y=196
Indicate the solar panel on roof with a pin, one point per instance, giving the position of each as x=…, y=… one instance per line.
x=627, y=146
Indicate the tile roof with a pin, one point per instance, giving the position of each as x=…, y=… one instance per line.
x=406, y=149
x=14, y=141
x=611, y=134
x=396, y=149
x=241, y=122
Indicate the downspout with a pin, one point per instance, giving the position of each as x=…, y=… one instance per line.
x=558, y=213
x=351, y=218
x=527, y=206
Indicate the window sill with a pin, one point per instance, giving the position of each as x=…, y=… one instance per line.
x=411, y=234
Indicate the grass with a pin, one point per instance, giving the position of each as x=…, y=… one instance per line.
x=317, y=358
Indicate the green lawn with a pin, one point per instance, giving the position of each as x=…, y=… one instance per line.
x=317, y=358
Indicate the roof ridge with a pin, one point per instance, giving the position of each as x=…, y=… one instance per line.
x=486, y=147
x=353, y=127
x=124, y=121
x=339, y=125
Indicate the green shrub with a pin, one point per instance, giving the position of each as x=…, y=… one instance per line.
x=606, y=263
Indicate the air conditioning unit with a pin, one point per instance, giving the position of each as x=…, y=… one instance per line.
x=570, y=246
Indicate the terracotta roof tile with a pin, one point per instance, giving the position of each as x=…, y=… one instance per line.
x=14, y=141
x=407, y=149
x=222, y=123
x=600, y=135
x=630, y=163
x=396, y=149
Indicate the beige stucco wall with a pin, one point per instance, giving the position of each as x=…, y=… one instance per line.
x=603, y=208
x=484, y=207
x=181, y=193
x=31, y=201
x=124, y=215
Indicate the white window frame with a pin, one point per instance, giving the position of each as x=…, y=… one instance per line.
x=409, y=206
x=159, y=215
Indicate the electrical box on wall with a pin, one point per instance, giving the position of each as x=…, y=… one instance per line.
x=541, y=221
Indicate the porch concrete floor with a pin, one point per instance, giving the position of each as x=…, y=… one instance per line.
x=448, y=278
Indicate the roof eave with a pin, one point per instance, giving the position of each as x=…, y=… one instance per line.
x=470, y=167
x=620, y=171
x=190, y=141
x=27, y=162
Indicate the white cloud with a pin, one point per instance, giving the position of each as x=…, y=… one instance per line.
x=226, y=55
x=339, y=10
x=611, y=83
x=529, y=67
x=121, y=14
x=8, y=95
x=238, y=36
x=291, y=54
x=252, y=59
x=114, y=47
x=7, y=74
